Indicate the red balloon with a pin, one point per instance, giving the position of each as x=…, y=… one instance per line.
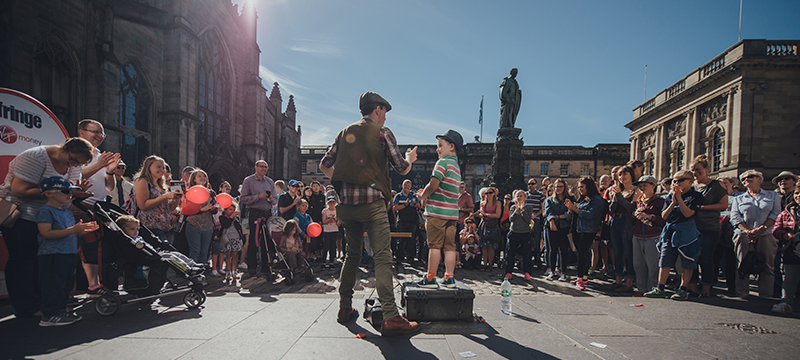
x=224, y=200
x=197, y=194
x=314, y=229
x=190, y=208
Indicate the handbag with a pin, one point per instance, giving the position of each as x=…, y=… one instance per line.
x=753, y=262
x=9, y=212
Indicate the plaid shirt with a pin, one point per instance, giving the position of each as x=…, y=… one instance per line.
x=357, y=194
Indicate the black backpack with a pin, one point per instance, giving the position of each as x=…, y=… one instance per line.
x=752, y=263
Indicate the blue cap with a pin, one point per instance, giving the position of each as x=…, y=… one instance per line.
x=293, y=183
x=55, y=182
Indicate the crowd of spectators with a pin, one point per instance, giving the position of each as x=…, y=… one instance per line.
x=625, y=233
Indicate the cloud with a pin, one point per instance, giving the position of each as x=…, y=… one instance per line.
x=317, y=48
x=287, y=84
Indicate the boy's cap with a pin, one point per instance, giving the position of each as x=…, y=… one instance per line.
x=453, y=137
x=55, y=182
x=369, y=98
x=645, y=179
x=330, y=198
x=292, y=183
x=122, y=163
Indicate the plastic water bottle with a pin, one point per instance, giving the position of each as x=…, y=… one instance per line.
x=505, y=297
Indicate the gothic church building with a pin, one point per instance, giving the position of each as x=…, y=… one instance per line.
x=175, y=78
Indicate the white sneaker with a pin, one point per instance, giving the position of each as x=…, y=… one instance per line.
x=214, y=273
x=782, y=308
x=563, y=277
x=243, y=266
x=552, y=276
x=548, y=272
x=222, y=272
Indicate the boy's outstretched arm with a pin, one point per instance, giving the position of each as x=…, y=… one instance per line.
x=429, y=189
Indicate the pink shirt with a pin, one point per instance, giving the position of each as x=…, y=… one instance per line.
x=330, y=227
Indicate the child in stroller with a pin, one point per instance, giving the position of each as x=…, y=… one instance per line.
x=291, y=246
x=130, y=226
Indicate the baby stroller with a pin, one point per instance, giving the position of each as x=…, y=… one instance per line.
x=138, y=267
x=275, y=228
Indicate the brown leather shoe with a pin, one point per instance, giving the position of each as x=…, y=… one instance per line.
x=399, y=325
x=346, y=315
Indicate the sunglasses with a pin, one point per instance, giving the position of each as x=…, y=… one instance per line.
x=678, y=181
x=531, y=184
x=121, y=167
x=782, y=179
x=63, y=191
x=749, y=177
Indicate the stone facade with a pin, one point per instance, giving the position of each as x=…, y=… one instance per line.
x=567, y=162
x=741, y=109
x=176, y=78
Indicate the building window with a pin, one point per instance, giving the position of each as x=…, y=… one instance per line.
x=481, y=170
x=526, y=169
x=213, y=89
x=544, y=169
x=53, y=78
x=564, y=170
x=134, y=116
x=317, y=170
x=716, y=151
x=584, y=169
x=651, y=164
x=304, y=167
x=678, y=156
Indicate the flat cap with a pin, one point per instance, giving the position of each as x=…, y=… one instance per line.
x=369, y=98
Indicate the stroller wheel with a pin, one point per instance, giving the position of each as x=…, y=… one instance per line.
x=107, y=305
x=194, y=299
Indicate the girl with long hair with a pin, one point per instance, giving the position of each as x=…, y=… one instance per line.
x=623, y=193
x=151, y=201
x=559, y=221
x=588, y=210
x=200, y=226
x=490, y=211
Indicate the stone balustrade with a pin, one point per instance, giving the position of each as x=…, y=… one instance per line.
x=745, y=49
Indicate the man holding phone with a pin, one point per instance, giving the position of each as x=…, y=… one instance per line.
x=257, y=193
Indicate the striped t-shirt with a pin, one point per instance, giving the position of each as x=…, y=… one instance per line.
x=443, y=203
x=32, y=166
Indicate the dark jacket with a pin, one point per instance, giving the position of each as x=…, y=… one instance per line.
x=590, y=214
x=652, y=207
x=363, y=161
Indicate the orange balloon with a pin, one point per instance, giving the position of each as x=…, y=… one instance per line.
x=224, y=200
x=190, y=208
x=197, y=194
x=314, y=229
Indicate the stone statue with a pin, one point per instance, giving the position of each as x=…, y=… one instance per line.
x=510, y=99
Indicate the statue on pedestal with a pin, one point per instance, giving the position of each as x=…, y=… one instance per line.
x=510, y=99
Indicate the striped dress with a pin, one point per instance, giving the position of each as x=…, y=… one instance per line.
x=443, y=203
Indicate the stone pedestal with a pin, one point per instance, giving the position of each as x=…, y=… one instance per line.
x=507, y=162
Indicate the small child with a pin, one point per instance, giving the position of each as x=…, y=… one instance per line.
x=330, y=228
x=232, y=231
x=58, y=248
x=292, y=246
x=441, y=209
x=303, y=219
x=471, y=253
x=130, y=226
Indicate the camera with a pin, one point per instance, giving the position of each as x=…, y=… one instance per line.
x=269, y=193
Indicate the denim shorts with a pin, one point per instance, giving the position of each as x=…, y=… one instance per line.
x=669, y=256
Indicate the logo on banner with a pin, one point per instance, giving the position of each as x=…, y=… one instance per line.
x=7, y=134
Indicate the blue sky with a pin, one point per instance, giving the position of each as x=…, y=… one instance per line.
x=581, y=63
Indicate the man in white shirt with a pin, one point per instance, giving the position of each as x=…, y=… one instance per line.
x=122, y=187
x=100, y=172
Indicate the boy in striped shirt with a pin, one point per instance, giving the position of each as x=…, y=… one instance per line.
x=441, y=209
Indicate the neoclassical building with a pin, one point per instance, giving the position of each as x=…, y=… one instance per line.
x=741, y=109
x=176, y=78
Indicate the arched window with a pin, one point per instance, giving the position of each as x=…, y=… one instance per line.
x=213, y=89
x=716, y=150
x=134, y=117
x=53, y=78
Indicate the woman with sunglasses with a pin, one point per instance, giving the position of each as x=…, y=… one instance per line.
x=490, y=212
x=715, y=200
x=22, y=185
